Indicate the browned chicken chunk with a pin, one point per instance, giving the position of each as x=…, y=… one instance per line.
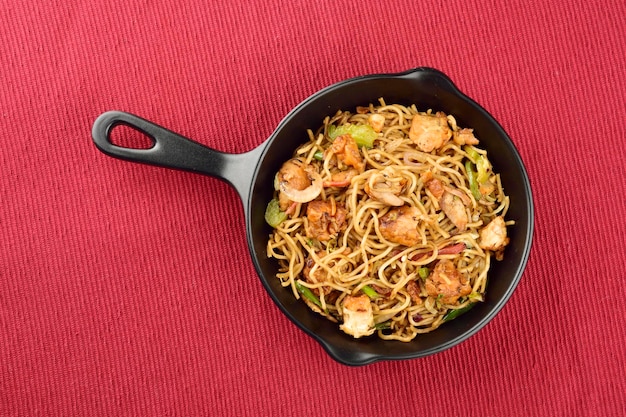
x=399, y=225
x=464, y=137
x=434, y=186
x=358, y=316
x=377, y=121
x=493, y=236
x=325, y=220
x=347, y=151
x=446, y=283
x=430, y=131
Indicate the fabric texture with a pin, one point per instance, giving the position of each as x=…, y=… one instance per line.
x=127, y=289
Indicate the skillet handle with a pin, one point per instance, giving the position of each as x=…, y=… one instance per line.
x=171, y=150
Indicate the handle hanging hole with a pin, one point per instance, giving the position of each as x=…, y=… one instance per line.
x=128, y=137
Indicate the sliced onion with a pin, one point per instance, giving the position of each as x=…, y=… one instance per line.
x=308, y=194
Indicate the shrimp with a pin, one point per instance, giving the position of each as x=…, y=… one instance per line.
x=446, y=283
x=292, y=173
x=430, y=131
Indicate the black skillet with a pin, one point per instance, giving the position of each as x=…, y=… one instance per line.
x=251, y=174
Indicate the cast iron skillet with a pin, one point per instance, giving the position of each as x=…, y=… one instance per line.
x=252, y=174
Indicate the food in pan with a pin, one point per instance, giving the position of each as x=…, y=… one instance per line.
x=387, y=219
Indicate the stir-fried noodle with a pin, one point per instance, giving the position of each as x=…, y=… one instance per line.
x=387, y=219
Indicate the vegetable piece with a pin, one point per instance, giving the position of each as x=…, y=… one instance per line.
x=481, y=163
x=369, y=291
x=308, y=294
x=273, y=215
x=319, y=155
x=363, y=135
x=472, y=153
x=482, y=166
x=423, y=272
x=385, y=325
x=473, y=183
x=452, y=314
x=475, y=297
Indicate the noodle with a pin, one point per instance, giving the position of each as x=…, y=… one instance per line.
x=399, y=235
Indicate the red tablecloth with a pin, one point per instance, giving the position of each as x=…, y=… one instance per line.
x=127, y=289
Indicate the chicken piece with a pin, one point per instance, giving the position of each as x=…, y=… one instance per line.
x=325, y=219
x=385, y=186
x=377, y=121
x=430, y=131
x=464, y=137
x=454, y=209
x=347, y=151
x=433, y=184
x=399, y=225
x=358, y=316
x=414, y=291
x=451, y=200
x=292, y=172
x=446, y=283
x=493, y=236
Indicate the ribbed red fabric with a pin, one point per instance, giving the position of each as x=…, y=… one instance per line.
x=127, y=290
